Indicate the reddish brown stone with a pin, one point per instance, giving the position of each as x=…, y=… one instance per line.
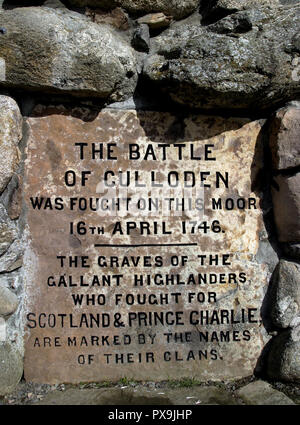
x=113, y=333
x=116, y=17
x=284, y=138
x=286, y=200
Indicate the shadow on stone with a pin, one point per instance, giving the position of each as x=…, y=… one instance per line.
x=11, y=4
x=176, y=127
x=269, y=250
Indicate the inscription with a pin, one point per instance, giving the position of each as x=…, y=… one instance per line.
x=141, y=249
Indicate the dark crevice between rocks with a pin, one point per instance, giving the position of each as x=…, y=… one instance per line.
x=260, y=370
x=53, y=94
x=267, y=306
x=85, y=113
x=262, y=184
x=157, y=95
x=6, y=196
x=288, y=172
x=77, y=9
x=147, y=96
x=12, y=4
x=21, y=170
x=211, y=14
x=105, y=6
x=27, y=101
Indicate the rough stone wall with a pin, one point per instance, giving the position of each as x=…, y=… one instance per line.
x=11, y=326
x=284, y=300
x=216, y=56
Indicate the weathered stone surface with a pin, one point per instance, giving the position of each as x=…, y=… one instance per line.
x=286, y=295
x=155, y=20
x=284, y=138
x=11, y=368
x=141, y=38
x=267, y=255
x=177, y=8
x=11, y=256
x=285, y=298
x=140, y=396
x=7, y=236
x=116, y=17
x=14, y=206
x=234, y=5
x=8, y=232
x=288, y=1
x=283, y=358
x=63, y=51
x=213, y=10
x=10, y=135
x=50, y=153
x=252, y=69
x=8, y=302
x=286, y=200
x=238, y=23
x=261, y=393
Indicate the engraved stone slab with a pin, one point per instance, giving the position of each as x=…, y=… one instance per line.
x=141, y=240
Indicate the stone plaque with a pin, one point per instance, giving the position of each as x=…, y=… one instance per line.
x=142, y=235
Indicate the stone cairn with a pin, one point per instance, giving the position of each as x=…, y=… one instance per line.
x=226, y=56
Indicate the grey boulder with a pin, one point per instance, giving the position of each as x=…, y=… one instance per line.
x=284, y=137
x=283, y=358
x=8, y=302
x=214, y=9
x=261, y=393
x=286, y=203
x=55, y=50
x=248, y=68
x=285, y=294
